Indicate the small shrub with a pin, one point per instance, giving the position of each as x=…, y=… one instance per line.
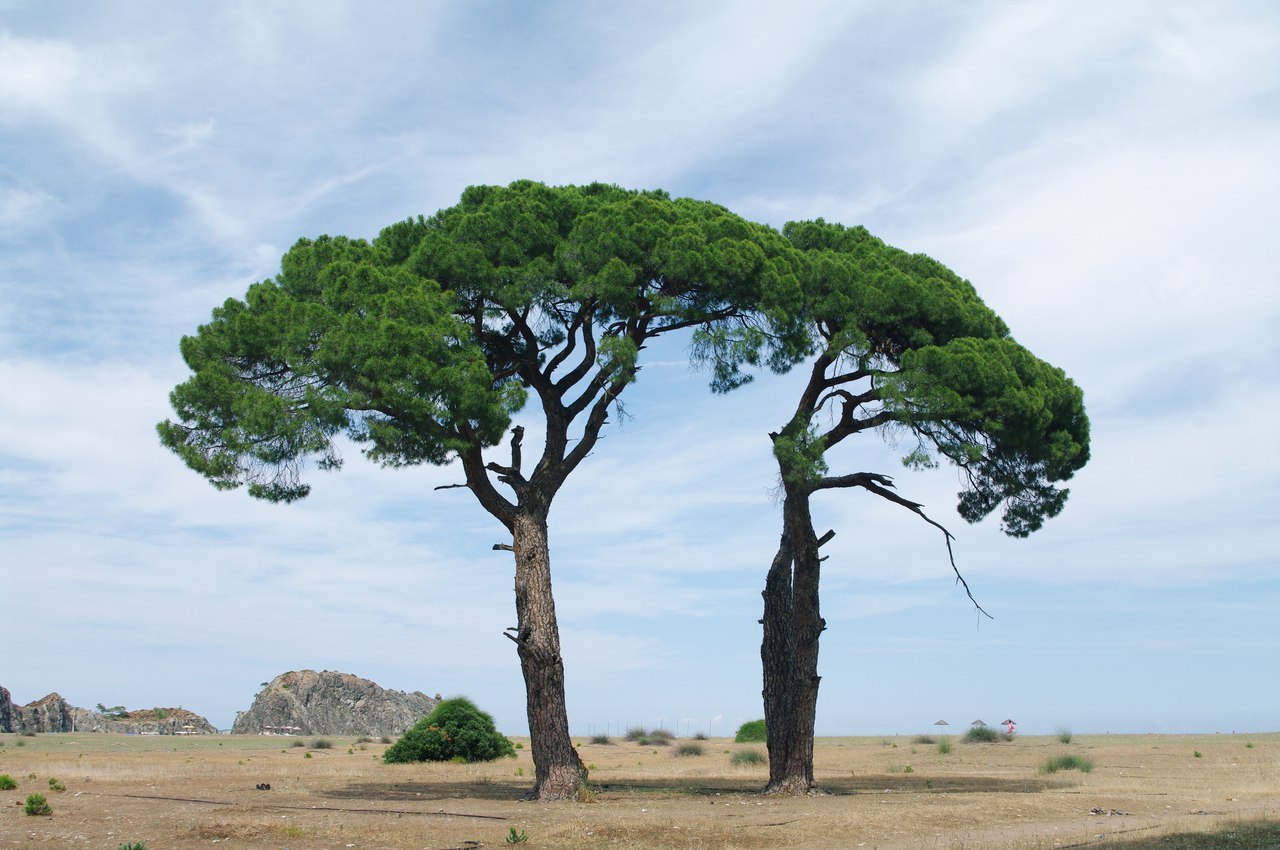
x=322, y=744
x=1064, y=735
x=981, y=735
x=635, y=733
x=702, y=736
x=1199, y=754
x=364, y=739
x=944, y=746
x=385, y=739
x=689, y=750
x=923, y=739
x=1057, y=763
x=304, y=755
x=516, y=837
x=27, y=733
x=133, y=845
x=751, y=732
x=7, y=783
x=656, y=738
x=297, y=743
x=37, y=805
x=584, y=793
x=1249, y=746
x=455, y=729
x=55, y=785
x=600, y=739
x=19, y=743
x=749, y=757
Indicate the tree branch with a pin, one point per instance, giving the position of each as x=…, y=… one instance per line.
x=874, y=482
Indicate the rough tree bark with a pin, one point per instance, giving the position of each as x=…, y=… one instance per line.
x=560, y=773
x=793, y=625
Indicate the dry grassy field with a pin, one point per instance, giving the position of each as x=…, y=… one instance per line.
x=883, y=793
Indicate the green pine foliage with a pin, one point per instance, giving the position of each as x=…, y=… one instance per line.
x=456, y=730
x=753, y=731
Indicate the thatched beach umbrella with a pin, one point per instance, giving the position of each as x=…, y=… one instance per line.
x=978, y=723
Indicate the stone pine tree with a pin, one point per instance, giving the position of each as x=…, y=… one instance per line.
x=894, y=343
x=424, y=343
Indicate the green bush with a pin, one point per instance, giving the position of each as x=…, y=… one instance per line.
x=1064, y=735
x=133, y=845
x=923, y=739
x=7, y=783
x=600, y=739
x=37, y=805
x=944, y=746
x=635, y=733
x=748, y=757
x=751, y=732
x=1057, y=763
x=456, y=729
x=981, y=735
x=322, y=744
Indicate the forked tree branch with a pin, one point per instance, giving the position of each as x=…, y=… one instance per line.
x=881, y=485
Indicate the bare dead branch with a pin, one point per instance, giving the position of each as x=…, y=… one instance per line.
x=881, y=485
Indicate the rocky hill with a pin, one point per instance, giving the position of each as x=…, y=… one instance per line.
x=146, y=721
x=305, y=702
x=48, y=714
x=54, y=714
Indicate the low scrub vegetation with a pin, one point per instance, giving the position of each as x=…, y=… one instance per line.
x=985, y=735
x=37, y=805
x=1058, y=763
x=689, y=750
x=751, y=732
x=456, y=730
x=649, y=738
x=748, y=757
x=7, y=783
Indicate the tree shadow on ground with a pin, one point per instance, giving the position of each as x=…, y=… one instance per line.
x=872, y=783
x=422, y=791
x=513, y=790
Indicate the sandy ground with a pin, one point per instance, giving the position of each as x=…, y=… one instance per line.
x=883, y=793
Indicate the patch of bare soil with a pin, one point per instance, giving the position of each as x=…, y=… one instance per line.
x=261, y=793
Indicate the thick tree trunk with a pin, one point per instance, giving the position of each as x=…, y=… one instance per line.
x=560, y=773
x=789, y=650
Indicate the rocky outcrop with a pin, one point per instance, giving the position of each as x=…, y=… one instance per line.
x=55, y=714
x=49, y=714
x=6, y=711
x=147, y=721
x=329, y=703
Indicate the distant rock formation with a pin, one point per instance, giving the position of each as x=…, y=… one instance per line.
x=145, y=721
x=49, y=714
x=55, y=714
x=6, y=711
x=305, y=702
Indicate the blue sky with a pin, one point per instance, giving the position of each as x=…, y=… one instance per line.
x=1106, y=175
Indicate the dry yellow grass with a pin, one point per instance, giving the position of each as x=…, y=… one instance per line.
x=884, y=793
